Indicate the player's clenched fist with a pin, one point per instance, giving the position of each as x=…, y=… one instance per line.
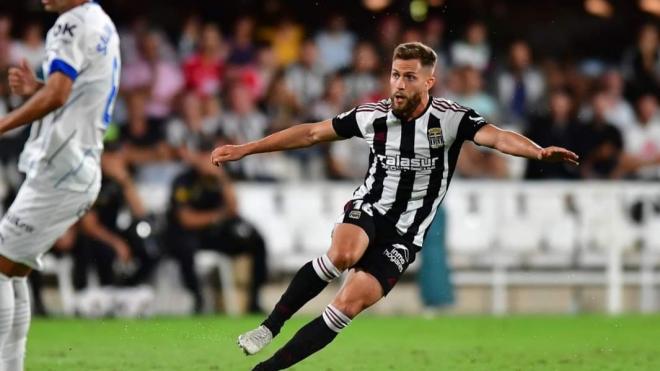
x=22, y=80
x=227, y=153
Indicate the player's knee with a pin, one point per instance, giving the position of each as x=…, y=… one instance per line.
x=350, y=307
x=344, y=257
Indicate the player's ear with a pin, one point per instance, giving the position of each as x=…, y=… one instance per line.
x=430, y=82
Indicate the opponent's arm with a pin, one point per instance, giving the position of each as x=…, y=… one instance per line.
x=512, y=143
x=50, y=97
x=298, y=136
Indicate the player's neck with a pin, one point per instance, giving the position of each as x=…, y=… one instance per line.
x=73, y=5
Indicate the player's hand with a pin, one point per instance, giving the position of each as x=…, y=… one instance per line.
x=22, y=80
x=558, y=154
x=123, y=251
x=227, y=153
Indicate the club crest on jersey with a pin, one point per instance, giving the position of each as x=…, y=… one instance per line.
x=435, y=137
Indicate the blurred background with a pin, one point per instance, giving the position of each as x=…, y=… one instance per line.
x=172, y=234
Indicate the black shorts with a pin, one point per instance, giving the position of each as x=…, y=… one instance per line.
x=388, y=254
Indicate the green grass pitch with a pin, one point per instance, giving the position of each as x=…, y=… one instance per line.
x=369, y=343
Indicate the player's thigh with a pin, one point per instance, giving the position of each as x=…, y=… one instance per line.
x=37, y=218
x=360, y=291
x=349, y=242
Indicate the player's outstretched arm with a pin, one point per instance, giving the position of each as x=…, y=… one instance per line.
x=515, y=144
x=51, y=96
x=298, y=136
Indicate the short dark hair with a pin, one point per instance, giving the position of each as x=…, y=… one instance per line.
x=416, y=50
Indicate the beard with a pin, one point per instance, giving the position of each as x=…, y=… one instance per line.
x=407, y=106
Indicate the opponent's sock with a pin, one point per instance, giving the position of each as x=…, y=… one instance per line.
x=308, y=282
x=6, y=310
x=308, y=340
x=13, y=353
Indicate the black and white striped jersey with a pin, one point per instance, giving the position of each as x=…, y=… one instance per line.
x=411, y=163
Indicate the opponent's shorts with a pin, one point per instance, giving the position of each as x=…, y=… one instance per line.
x=388, y=254
x=40, y=215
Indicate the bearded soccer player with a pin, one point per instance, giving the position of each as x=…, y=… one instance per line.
x=415, y=140
x=69, y=112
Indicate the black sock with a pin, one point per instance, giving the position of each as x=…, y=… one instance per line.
x=306, y=284
x=308, y=340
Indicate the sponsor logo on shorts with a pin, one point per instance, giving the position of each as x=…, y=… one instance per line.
x=355, y=214
x=398, y=255
x=18, y=223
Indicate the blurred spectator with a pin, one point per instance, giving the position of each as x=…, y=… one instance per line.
x=411, y=34
x=120, y=256
x=150, y=85
x=433, y=36
x=618, y=111
x=362, y=78
x=11, y=145
x=451, y=85
x=389, y=35
x=30, y=47
x=204, y=70
x=203, y=214
x=474, y=49
x=282, y=105
x=346, y=159
x=182, y=133
x=265, y=69
x=475, y=97
x=242, y=50
x=130, y=36
x=641, y=65
x=5, y=41
x=600, y=144
x=520, y=86
x=286, y=40
x=642, y=140
x=191, y=32
x=243, y=123
x=305, y=78
x=333, y=101
x=335, y=44
x=559, y=128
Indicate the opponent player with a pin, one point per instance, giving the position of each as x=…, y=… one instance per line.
x=69, y=112
x=415, y=140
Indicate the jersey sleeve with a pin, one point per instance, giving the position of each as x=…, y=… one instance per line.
x=66, y=46
x=346, y=124
x=469, y=125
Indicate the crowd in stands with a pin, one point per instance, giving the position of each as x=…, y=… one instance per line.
x=255, y=80
x=180, y=96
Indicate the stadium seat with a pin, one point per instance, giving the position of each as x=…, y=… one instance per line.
x=61, y=268
x=205, y=262
x=470, y=225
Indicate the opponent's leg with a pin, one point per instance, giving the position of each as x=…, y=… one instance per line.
x=13, y=352
x=348, y=245
x=361, y=291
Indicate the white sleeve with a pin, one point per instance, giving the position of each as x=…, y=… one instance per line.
x=66, y=46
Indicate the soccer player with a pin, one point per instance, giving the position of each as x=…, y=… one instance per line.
x=69, y=112
x=415, y=140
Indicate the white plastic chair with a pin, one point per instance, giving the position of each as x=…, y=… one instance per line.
x=205, y=262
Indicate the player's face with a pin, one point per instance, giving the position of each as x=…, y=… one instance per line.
x=409, y=81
